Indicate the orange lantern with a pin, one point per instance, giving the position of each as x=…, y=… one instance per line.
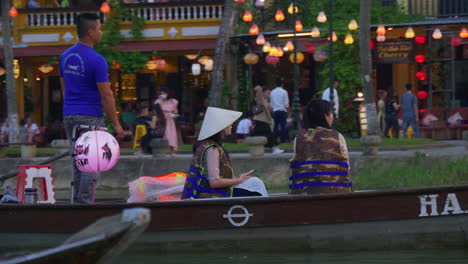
x=299, y=57
x=289, y=46
x=13, y=12
x=254, y=30
x=298, y=26
x=464, y=33
x=334, y=37
x=380, y=30
x=247, y=17
x=279, y=16
x=105, y=8
x=240, y=2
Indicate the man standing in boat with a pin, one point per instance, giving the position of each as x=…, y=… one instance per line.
x=87, y=92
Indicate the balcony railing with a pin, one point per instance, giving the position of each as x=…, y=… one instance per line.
x=45, y=17
x=438, y=8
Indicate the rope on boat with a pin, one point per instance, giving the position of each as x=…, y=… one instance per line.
x=14, y=173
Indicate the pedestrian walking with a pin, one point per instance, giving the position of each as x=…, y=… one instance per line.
x=336, y=101
x=87, y=93
x=279, y=101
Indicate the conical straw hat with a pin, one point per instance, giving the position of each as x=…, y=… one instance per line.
x=217, y=119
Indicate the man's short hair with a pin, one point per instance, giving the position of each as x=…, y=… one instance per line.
x=85, y=22
x=279, y=82
x=408, y=87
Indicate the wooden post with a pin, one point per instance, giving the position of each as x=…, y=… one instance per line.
x=220, y=52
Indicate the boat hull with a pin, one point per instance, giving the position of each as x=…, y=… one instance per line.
x=401, y=219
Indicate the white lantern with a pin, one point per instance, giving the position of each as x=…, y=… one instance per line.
x=196, y=69
x=209, y=65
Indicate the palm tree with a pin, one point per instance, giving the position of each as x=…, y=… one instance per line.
x=10, y=80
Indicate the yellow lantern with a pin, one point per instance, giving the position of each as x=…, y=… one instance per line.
x=299, y=57
x=247, y=17
x=321, y=17
x=266, y=47
x=251, y=58
x=254, y=30
x=409, y=33
x=349, y=39
x=315, y=33
x=273, y=51
x=293, y=9
x=463, y=33
x=380, y=30
x=289, y=46
x=45, y=68
x=352, y=25
x=298, y=26
x=151, y=65
x=279, y=16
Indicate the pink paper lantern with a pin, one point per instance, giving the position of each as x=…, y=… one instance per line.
x=96, y=151
x=272, y=59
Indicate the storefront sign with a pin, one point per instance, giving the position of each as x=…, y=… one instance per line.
x=394, y=51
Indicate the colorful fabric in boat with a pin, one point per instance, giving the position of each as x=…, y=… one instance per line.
x=319, y=164
x=197, y=185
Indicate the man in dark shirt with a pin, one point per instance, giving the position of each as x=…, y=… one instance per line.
x=409, y=106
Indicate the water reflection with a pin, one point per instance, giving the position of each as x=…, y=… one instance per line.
x=426, y=256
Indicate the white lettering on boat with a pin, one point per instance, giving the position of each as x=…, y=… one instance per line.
x=245, y=214
x=432, y=203
x=429, y=203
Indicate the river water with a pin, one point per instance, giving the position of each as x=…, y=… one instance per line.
x=423, y=256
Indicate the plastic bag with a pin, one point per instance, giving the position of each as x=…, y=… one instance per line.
x=165, y=187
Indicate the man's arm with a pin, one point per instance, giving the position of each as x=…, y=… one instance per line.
x=108, y=104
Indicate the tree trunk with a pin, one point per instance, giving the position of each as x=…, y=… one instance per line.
x=366, y=67
x=10, y=80
x=220, y=52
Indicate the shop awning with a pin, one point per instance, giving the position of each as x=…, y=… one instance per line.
x=145, y=46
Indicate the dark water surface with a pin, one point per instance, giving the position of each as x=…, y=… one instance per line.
x=425, y=256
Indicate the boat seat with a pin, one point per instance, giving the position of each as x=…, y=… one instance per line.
x=45, y=184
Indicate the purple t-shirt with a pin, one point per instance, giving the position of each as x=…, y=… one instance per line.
x=82, y=68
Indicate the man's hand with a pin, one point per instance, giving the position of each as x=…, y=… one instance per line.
x=119, y=131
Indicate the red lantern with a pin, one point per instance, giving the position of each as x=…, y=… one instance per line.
x=420, y=39
x=247, y=17
x=105, y=8
x=13, y=12
x=420, y=58
x=422, y=94
x=422, y=111
x=240, y=2
x=272, y=59
x=254, y=29
x=372, y=44
x=421, y=76
x=455, y=41
x=279, y=16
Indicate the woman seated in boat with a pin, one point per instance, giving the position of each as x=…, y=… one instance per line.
x=211, y=174
x=321, y=162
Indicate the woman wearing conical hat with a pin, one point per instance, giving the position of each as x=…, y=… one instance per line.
x=211, y=174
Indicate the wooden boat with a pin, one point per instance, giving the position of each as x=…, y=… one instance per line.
x=98, y=243
x=397, y=219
